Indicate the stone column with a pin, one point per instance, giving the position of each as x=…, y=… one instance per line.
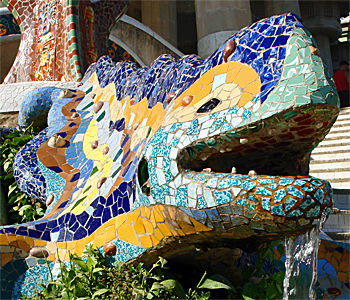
x=281, y=6
x=160, y=16
x=217, y=21
x=321, y=18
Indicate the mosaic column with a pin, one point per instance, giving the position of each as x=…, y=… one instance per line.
x=322, y=19
x=160, y=16
x=219, y=20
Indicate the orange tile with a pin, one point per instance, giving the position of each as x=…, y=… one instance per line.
x=119, y=220
x=221, y=69
x=139, y=227
x=157, y=215
x=80, y=247
x=344, y=266
x=342, y=276
x=89, y=238
x=14, y=244
x=110, y=233
x=337, y=255
x=148, y=225
x=154, y=241
x=202, y=93
x=180, y=232
x=147, y=212
x=253, y=87
x=29, y=241
x=11, y=237
x=100, y=230
x=135, y=214
x=198, y=226
x=23, y=245
x=71, y=245
x=321, y=255
x=164, y=229
x=62, y=245
x=99, y=240
x=122, y=234
x=145, y=240
x=132, y=238
x=329, y=256
x=208, y=77
x=246, y=76
x=232, y=74
x=5, y=258
x=187, y=229
x=51, y=257
x=153, y=219
x=3, y=239
x=245, y=98
x=334, y=263
x=159, y=235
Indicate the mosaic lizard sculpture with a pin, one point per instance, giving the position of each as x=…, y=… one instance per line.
x=156, y=159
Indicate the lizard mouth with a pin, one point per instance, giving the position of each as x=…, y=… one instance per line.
x=280, y=145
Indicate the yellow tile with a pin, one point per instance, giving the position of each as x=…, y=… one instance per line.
x=11, y=237
x=188, y=229
x=134, y=215
x=158, y=234
x=122, y=234
x=195, y=87
x=139, y=227
x=232, y=74
x=89, y=238
x=3, y=240
x=62, y=245
x=110, y=233
x=101, y=230
x=233, y=64
x=128, y=219
x=80, y=247
x=180, y=232
x=154, y=241
x=39, y=243
x=71, y=245
x=246, y=75
x=148, y=225
x=5, y=258
x=153, y=219
x=198, y=226
x=132, y=238
x=62, y=254
x=157, y=214
x=208, y=77
x=221, y=69
x=202, y=93
x=119, y=220
x=145, y=241
x=253, y=87
x=99, y=240
x=142, y=210
x=164, y=229
x=51, y=257
x=147, y=212
x=245, y=98
x=29, y=241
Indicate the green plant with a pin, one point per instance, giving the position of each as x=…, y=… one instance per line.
x=260, y=283
x=21, y=208
x=93, y=278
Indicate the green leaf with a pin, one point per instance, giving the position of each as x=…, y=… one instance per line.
x=81, y=263
x=280, y=249
x=217, y=281
x=79, y=291
x=249, y=291
x=271, y=291
x=278, y=277
x=99, y=292
x=162, y=262
x=175, y=286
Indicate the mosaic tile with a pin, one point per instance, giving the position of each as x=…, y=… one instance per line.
x=138, y=170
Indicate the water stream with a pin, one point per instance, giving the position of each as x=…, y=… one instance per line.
x=301, y=260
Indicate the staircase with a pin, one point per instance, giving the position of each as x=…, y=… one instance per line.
x=331, y=161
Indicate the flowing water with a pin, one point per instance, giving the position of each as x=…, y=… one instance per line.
x=301, y=260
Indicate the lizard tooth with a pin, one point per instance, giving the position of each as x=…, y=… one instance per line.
x=101, y=181
x=169, y=97
x=230, y=47
x=75, y=115
x=234, y=170
x=243, y=141
x=222, y=150
x=252, y=173
x=186, y=100
x=97, y=106
x=65, y=94
x=207, y=170
x=94, y=144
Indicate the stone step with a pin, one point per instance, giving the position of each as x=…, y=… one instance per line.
x=339, y=130
x=330, y=165
x=331, y=148
x=327, y=156
x=336, y=141
x=338, y=222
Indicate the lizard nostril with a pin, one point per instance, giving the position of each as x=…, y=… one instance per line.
x=209, y=106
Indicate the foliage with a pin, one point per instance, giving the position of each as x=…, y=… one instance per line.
x=260, y=283
x=92, y=277
x=21, y=207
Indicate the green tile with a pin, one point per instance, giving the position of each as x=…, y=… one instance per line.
x=308, y=40
x=101, y=116
x=288, y=95
x=288, y=72
x=335, y=100
x=309, y=78
x=5, y=2
x=280, y=88
x=303, y=69
x=312, y=88
x=273, y=98
x=317, y=98
x=302, y=100
x=325, y=90
x=15, y=13
x=299, y=80
x=291, y=49
x=292, y=59
x=306, y=60
x=292, y=40
x=301, y=43
x=298, y=31
x=301, y=90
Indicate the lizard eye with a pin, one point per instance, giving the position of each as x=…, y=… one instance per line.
x=208, y=106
